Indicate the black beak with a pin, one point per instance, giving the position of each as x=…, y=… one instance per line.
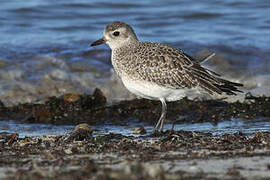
x=98, y=42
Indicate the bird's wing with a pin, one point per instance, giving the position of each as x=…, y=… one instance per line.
x=170, y=67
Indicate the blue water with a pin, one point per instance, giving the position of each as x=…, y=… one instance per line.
x=231, y=27
x=247, y=127
x=34, y=129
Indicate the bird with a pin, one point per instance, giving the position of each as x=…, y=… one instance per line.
x=158, y=71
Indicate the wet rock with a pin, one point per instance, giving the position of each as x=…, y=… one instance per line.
x=83, y=127
x=71, y=97
x=11, y=138
x=81, y=132
x=92, y=109
x=3, y=135
x=139, y=130
x=68, y=109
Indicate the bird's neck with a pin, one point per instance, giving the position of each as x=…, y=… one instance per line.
x=125, y=46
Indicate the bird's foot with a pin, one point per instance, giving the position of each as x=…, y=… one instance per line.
x=156, y=133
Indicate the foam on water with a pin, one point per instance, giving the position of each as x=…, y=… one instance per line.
x=44, y=47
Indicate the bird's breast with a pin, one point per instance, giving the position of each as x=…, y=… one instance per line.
x=124, y=64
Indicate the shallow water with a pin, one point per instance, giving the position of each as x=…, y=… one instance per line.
x=33, y=129
x=225, y=127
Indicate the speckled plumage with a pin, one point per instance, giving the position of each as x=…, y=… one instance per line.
x=167, y=67
x=158, y=71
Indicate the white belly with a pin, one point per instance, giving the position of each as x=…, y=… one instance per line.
x=153, y=91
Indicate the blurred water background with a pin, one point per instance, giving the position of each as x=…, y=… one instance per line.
x=44, y=48
x=44, y=45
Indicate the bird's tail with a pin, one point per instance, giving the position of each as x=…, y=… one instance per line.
x=228, y=87
x=212, y=82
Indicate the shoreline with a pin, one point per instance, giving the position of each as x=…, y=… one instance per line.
x=167, y=155
x=73, y=109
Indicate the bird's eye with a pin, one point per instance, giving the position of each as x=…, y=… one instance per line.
x=116, y=33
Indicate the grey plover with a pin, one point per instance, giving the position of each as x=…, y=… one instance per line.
x=157, y=71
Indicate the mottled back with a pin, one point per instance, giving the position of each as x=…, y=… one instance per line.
x=159, y=63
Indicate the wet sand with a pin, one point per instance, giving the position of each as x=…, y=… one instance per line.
x=168, y=155
x=171, y=155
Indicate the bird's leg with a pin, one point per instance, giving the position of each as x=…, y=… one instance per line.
x=157, y=125
x=163, y=115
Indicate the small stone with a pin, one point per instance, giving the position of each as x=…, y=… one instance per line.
x=71, y=97
x=83, y=126
x=12, y=138
x=3, y=135
x=81, y=132
x=68, y=151
x=139, y=130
